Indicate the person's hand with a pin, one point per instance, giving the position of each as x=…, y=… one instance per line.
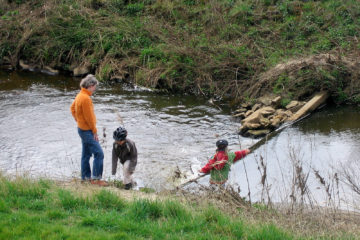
x=247, y=151
x=96, y=137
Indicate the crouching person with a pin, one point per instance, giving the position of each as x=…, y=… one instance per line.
x=124, y=150
x=219, y=165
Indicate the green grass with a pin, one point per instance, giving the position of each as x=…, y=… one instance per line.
x=187, y=46
x=40, y=210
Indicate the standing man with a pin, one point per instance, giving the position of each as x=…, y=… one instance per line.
x=124, y=150
x=82, y=110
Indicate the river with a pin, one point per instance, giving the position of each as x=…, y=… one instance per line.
x=175, y=135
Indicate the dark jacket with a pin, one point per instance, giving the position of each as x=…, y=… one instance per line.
x=124, y=152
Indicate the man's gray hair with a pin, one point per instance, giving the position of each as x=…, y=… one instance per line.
x=88, y=81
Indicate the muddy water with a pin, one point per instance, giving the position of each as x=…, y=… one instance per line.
x=174, y=135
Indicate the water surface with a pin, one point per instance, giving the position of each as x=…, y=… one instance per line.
x=175, y=135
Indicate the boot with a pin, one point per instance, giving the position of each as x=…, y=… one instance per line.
x=128, y=186
x=99, y=182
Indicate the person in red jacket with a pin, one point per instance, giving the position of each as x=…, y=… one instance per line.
x=219, y=165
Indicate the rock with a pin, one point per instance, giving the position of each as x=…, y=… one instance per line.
x=257, y=120
x=265, y=100
x=251, y=125
x=246, y=105
x=25, y=66
x=239, y=115
x=294, y=106
x=276, y=121
x=258, y=133
x=257, y=115
x=241, y=110
x=256, y=107
x=81, y=71
x=50, y=71
x=284, y=114
x=311, y=105
x=248, y=113
x=276, y=102
x=264, y=122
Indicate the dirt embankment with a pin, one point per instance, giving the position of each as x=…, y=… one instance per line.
x=217, y=49
x=298, y=79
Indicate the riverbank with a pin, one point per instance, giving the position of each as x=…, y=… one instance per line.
x=238, y=50
x=47, y=209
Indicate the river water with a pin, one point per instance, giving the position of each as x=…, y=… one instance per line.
x=175, y=135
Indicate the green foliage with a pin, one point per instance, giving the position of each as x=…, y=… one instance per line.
x=4, y=207
x=175, y=210
x=150, y=55
x=134, y=8
x=180, y=45
x=147, y=190
x=55, y=214
x=17, y=1
x=105, y=72
x=269, y=232
x=144, y=209
x=69, y=202
x=108, y=200
x=284, y=102
x=58, y=214
x=10, y=15
x=213, y=215
x=281, y=83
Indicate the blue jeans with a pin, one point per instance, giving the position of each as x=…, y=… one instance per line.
x=89, y=147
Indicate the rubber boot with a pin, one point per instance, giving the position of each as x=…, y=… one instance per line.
x=128, y=186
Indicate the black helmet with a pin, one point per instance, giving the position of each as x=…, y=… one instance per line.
x=221, y=144
x=120, y=134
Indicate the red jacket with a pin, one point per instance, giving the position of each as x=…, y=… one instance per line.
x=220, y=159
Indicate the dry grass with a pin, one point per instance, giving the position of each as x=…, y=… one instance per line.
x=301, y=222
x=218, y=48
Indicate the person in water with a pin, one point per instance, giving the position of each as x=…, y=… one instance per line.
x=219, y=165
x=82, y=110
x=124, y=150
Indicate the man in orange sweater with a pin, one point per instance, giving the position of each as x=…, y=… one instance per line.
x=82, y=110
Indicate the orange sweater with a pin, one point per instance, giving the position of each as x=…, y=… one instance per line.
x=82, y=110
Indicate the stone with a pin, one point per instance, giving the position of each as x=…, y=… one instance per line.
x=248, y=113
x=239, y=115
x=81, y=71
x=241, y=110
x=257, y=115
x=276, y=101
x=258, y=133
x=251, y=125
x=294, y=106
x=265, y=100
x=25, y=66
x=49, y=70
x=246, y=105
x=276, y=121
x=256, y=107
x=311, y=105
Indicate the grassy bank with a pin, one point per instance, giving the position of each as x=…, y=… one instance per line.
x=44, y=210
x=205, y=47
